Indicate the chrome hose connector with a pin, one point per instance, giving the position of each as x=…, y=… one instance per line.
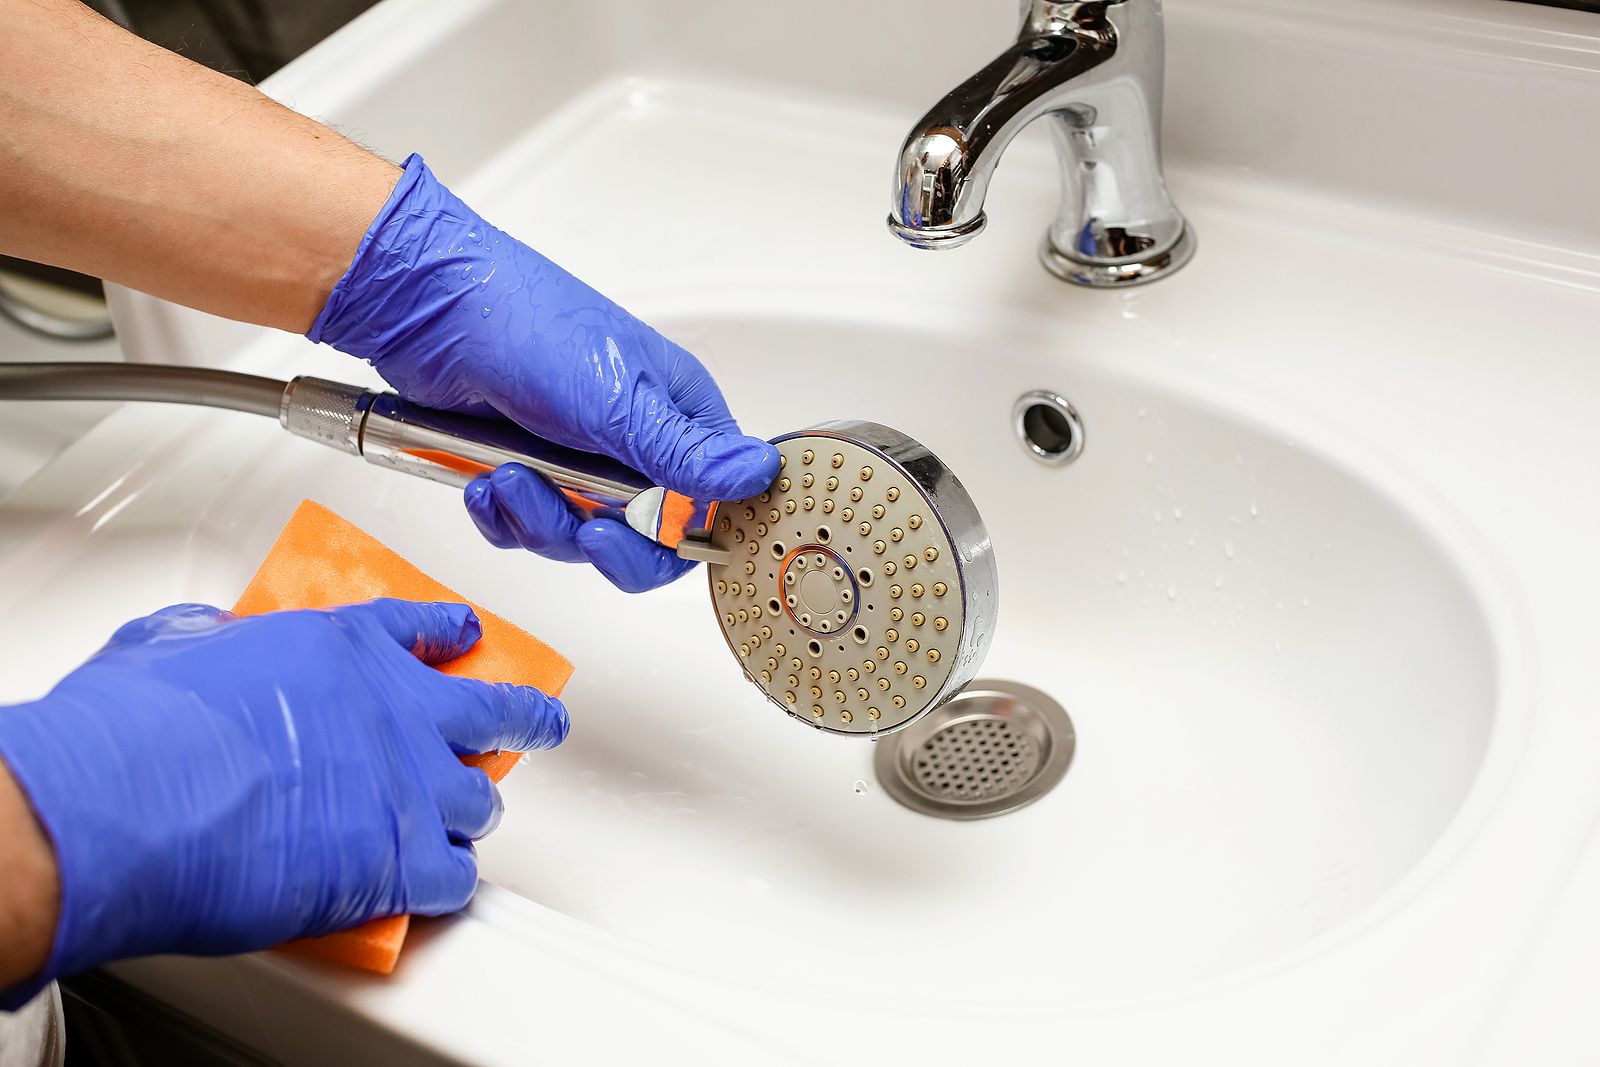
x=329, y=413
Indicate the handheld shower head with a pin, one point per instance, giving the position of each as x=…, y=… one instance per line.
x=858, y=592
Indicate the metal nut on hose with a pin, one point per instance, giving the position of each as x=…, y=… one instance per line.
x=323, y=411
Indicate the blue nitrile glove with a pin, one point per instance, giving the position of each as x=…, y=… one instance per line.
x=214, y=784
x=456, y=314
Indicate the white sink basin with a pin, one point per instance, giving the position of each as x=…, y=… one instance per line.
x=1282, y=684
x=1324, y=648
x=30, y=436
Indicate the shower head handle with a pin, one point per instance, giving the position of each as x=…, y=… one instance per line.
x=857, y=591
x=453, y=449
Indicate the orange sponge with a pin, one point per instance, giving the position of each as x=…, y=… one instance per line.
x=322, y=561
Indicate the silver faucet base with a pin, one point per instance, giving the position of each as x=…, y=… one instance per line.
x=1100, y=274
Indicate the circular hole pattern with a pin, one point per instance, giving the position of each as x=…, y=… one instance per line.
x=897, y=668
x=979, y=759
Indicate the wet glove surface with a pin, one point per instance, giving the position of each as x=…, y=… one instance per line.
x=215, y=785
x=456, y=314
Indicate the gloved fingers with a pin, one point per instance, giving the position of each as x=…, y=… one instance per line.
x=470, y=803
x=695, y=393
x=631, y=562
x=693, y=459
x=476, y=716
x=485, y=513
x=179, y=620
x=432, y=632
x=448, y=883
x=515, y=508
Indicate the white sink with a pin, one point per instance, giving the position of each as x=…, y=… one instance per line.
x=31, y=436
x=1282, y=680
x=1305, y=594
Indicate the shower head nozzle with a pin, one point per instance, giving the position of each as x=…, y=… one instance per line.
x=859, y=591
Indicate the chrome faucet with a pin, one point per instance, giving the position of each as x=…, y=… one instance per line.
x=1094, y=70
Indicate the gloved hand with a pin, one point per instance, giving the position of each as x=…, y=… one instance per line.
x=214, y=784
x=456, y=314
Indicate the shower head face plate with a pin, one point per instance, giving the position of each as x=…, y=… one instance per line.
x=861, y=591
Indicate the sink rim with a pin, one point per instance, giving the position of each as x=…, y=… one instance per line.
x=1455, y=993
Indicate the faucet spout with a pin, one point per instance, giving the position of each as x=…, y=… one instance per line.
x=1093, y=70
x=950, y=156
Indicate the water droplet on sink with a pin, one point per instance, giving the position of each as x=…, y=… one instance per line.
x=1255, y=511
x=1227, y=549
x=1142, y=411
x=1149, y=458
x=1305, y=602
x=1177, y=513
x=1122, y=577
x=1172, y=591
x=861, y=787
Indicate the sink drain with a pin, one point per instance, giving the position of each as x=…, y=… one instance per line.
x=993, y=749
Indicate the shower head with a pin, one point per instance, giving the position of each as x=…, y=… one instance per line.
x=859, y=590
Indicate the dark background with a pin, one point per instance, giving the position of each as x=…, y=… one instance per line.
x=248, y=39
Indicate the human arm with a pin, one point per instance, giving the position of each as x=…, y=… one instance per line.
x=30, y=892
x=128, y=162
x=125, y=161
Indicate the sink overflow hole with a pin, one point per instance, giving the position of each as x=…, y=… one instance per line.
x=1048, y=427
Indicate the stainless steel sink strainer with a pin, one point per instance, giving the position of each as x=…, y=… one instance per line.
x=858, y=592
x=997, y=747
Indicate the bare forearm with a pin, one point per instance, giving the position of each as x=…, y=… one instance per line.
x=30, y=889
x=125, y=161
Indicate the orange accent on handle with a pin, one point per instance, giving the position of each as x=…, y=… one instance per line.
x=676, y=512
x=450, y=461
x=322, y=561
x=580, y=503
